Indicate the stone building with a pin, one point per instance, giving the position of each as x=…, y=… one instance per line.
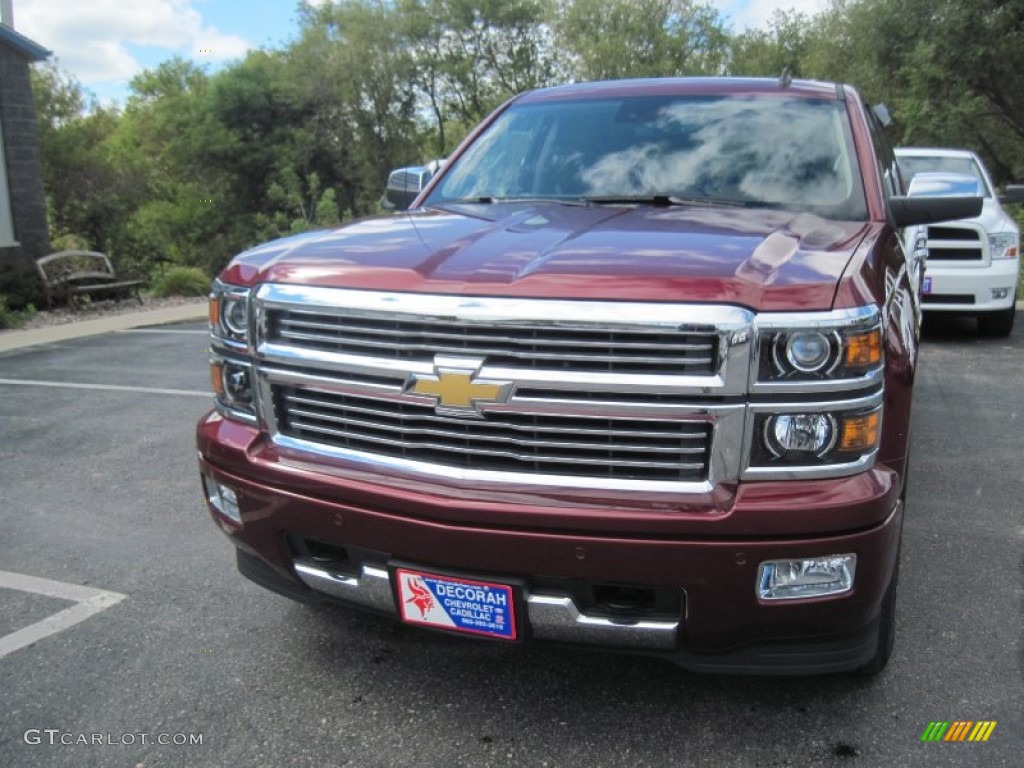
x=23, y=230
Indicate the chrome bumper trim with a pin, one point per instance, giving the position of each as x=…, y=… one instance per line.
x=371, y=588
x=551, y=617
x=558, y=618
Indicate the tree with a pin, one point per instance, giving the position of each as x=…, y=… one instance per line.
x=87, y=192
x=641, y=38
x=469, y=57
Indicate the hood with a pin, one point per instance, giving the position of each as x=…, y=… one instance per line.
x=993, y=218
x=762, y=259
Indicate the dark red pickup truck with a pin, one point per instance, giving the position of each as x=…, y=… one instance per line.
x=635, y=372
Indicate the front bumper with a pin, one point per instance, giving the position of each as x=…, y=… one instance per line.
x=970, y=289
x=712, y=619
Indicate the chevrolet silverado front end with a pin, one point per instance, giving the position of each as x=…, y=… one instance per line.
x=634, y=373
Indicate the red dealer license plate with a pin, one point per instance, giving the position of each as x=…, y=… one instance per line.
x=461, y=605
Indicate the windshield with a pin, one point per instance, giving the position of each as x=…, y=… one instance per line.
x=772, y=151
x=910, y=166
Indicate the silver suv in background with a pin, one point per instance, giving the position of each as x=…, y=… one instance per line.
x=973, y=265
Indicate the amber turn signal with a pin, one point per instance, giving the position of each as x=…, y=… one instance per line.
x=214, y=311
x=860, y=433
x=864, y=350
x=217, y=379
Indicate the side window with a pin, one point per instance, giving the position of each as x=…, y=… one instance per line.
x=892, y=181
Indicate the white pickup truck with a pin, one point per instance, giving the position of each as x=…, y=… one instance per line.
x=973, y=264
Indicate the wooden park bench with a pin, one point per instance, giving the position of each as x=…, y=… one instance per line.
x=69, y=273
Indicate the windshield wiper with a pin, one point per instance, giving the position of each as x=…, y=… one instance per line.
x=482, y=199
x=662, y=200
x=488, y=200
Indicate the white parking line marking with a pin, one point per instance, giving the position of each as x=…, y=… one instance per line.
x=162, y=330
x=106, y=387
x=88, y=602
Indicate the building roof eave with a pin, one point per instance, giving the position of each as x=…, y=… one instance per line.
x=30, y=49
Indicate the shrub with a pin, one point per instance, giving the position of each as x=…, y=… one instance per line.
x=181, y=281
x=12, y=318
x=69, y=242
x=19, y=284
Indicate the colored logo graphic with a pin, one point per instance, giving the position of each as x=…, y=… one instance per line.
x=456, y=389
x=421, y=597
x=959, y=730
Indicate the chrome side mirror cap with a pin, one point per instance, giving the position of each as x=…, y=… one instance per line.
x=945, y=185
x=937, y=197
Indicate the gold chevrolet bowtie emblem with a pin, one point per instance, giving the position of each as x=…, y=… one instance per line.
x=456, y=387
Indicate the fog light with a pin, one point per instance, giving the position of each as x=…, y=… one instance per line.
x=222, y=498
x=814, y=577
x=1000, y=293
x=801, y=432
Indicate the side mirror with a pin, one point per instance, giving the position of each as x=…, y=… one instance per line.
x=937, y=197
x=404, y=184
x=1014, y=193
x=882, y=113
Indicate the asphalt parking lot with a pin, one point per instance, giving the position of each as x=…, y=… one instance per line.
x=124, y=624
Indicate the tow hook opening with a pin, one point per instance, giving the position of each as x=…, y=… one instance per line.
x=624, y=600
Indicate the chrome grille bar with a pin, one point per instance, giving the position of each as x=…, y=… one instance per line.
x=546, y=422
x=564, y=345
x=677, y=449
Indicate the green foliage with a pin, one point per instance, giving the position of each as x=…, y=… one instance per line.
x=786, y=42
x=199, y=166
x=14, y=318
x=642, y=38
x=181, y=281
x=20, y=284
x=69, y=242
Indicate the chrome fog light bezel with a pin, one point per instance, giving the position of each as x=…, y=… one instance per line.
x=223, y=498
x=805, y=578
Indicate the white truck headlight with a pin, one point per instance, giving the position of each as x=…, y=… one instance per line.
x=1004, y=245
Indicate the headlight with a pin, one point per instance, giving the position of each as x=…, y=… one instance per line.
x=1004, y=245
x=830, y=347
x=829, y=438
x=230, y=365
x=817, y=392
x=232, y=388
x=800, y=433
x=229, y=313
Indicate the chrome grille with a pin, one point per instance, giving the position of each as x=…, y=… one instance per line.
x=524, y=346
x=596, y=395
x=570, y=446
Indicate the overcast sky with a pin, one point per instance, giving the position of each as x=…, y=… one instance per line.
x=105, y=42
